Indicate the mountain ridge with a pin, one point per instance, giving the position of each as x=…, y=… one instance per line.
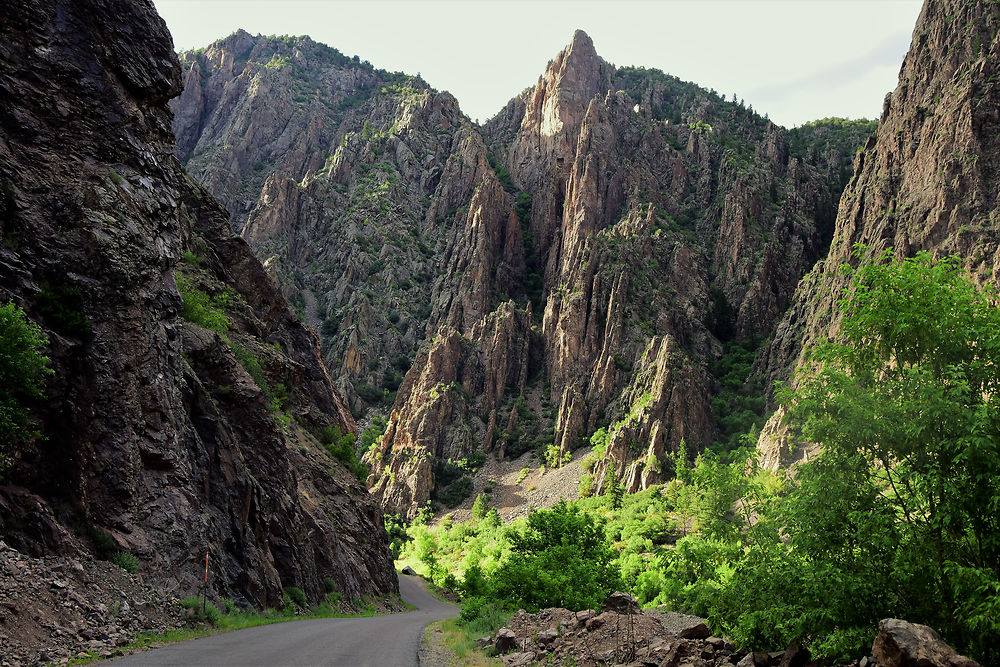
x=504, y=223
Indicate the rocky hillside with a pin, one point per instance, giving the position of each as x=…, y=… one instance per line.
x=605, y=253
x=661, y=227
x=928, y=179
x=187, y=400
x=343, y=180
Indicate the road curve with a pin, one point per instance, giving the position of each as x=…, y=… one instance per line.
x=382, y=641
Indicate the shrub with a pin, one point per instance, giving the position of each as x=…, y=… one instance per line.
x=370, y=435
x=104, y=545
x=210, y=614
x=340, y=446
x=562, y=558
x=23, y=369
x=296, y=595
x=200, y=308
x=190, y=258
x=126, y=561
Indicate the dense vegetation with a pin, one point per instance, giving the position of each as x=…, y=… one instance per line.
x=23, y=369
x=897, y=517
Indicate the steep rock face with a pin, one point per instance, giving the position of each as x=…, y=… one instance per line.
x=612, y=230
x=928, y=179
x=345, y=181
x=479, y=354
x=666, y=221
x=448, y=405
x=165, y=437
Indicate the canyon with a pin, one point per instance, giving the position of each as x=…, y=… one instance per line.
x=579, y=262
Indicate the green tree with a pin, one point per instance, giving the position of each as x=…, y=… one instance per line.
x=562, y=558
x=614, y=488
x=900, y=514
x=480, y=507
x=23, y=369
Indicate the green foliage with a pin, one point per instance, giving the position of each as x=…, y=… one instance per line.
x=554, y=459
x=613, y=487
x=200, y=308
x=482, y=617
x=739, y=403
x=127, y=561
x=901, y=505
x=562, y=558
x=190, y=258
x=452, y=484
x=372, y=433
x=210, y=614
x=297, y=596
x=104, y=545
x=480, y=507
x=23, y=369
x=340, y=446
x=502, y=174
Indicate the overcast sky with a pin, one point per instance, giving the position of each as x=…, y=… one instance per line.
x=796, y=60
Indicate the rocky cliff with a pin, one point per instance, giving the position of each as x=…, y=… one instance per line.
x=592, y=257
x=661, y=222
x=187, y=398
x=343, y=179
x=928, y=179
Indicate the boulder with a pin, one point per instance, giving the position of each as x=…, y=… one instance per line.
x=795, y=656
x=696, y=631
x=622, y=603
x=518, y=659
x=903, y=644
x=546, y=637
x=505, y=641
x=409, y=571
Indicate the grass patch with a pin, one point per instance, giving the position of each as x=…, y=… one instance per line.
x=462, y=643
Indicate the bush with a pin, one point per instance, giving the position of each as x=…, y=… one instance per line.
x=889, y=519
x=23, y=369
x=126, y=561
x=104, y=545
x=371, y=435
x=340, y=446
x=455, y=493
x=200, y=308
x=296, y=595
x=562, y=558
x=210, y=614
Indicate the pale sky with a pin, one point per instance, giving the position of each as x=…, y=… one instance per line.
x=796, y=60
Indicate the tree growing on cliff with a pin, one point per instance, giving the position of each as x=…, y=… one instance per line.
x=23, y=369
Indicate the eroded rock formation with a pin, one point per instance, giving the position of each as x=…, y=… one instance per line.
x=159, y=437
x=595, y=246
